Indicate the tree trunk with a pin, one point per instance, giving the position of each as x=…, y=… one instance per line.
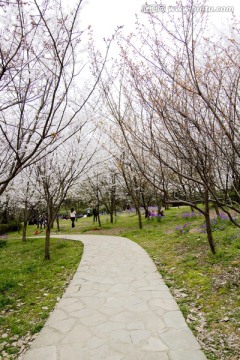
x=208, y=224
x=113, y=200
x=99, y=220
x=58, y=226
x=139, y=217
x=47, y=242
x=112, y=205
x=25, y=220
x=49, y=225
x=165, y=200
x=209, y=233
x=217, y=210
x=24, y=232
x=146, y=212
x=159, y=203
x=145, y=206
x=111, y=216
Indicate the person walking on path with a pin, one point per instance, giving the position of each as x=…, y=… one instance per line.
x=73, y=217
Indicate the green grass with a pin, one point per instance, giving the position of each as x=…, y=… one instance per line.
x=31, y=286
x=205, y=286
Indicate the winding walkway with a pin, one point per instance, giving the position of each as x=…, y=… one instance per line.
x=116, y=307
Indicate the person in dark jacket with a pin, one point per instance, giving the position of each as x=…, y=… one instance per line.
x=73, y=217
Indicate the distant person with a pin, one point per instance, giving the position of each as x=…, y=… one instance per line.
x=161, y=212
x=88, y=212
x=42, y=221
x=73, y=217
x=95, y=214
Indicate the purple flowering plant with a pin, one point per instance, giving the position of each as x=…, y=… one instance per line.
x=153, y=215
x=182, y=229
x=189, y=215
x=218, y=223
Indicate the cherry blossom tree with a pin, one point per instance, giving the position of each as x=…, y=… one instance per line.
x=174, y=97
x=60, y=171
x=25, y=197
x=41, y=63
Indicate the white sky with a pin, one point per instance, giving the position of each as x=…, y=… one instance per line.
x=106, y=15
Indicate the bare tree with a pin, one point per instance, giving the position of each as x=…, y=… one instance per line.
x=170, y=97
x=40, y=66
x=57, y=173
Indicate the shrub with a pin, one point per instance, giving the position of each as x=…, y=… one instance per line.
x=12, y=226
x=3, y=229
x=3, y=241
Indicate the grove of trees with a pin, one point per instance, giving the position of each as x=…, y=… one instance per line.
x=173, y=95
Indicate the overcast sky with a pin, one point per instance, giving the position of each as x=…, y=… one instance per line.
x=106, y=15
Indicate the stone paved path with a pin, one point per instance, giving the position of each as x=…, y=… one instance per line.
x=116, y=307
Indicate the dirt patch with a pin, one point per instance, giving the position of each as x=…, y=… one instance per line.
x=118, y=231
x=169, y=231
x=195, y=230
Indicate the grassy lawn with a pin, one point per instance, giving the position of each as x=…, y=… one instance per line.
x=30, y=287
x=206, y=287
